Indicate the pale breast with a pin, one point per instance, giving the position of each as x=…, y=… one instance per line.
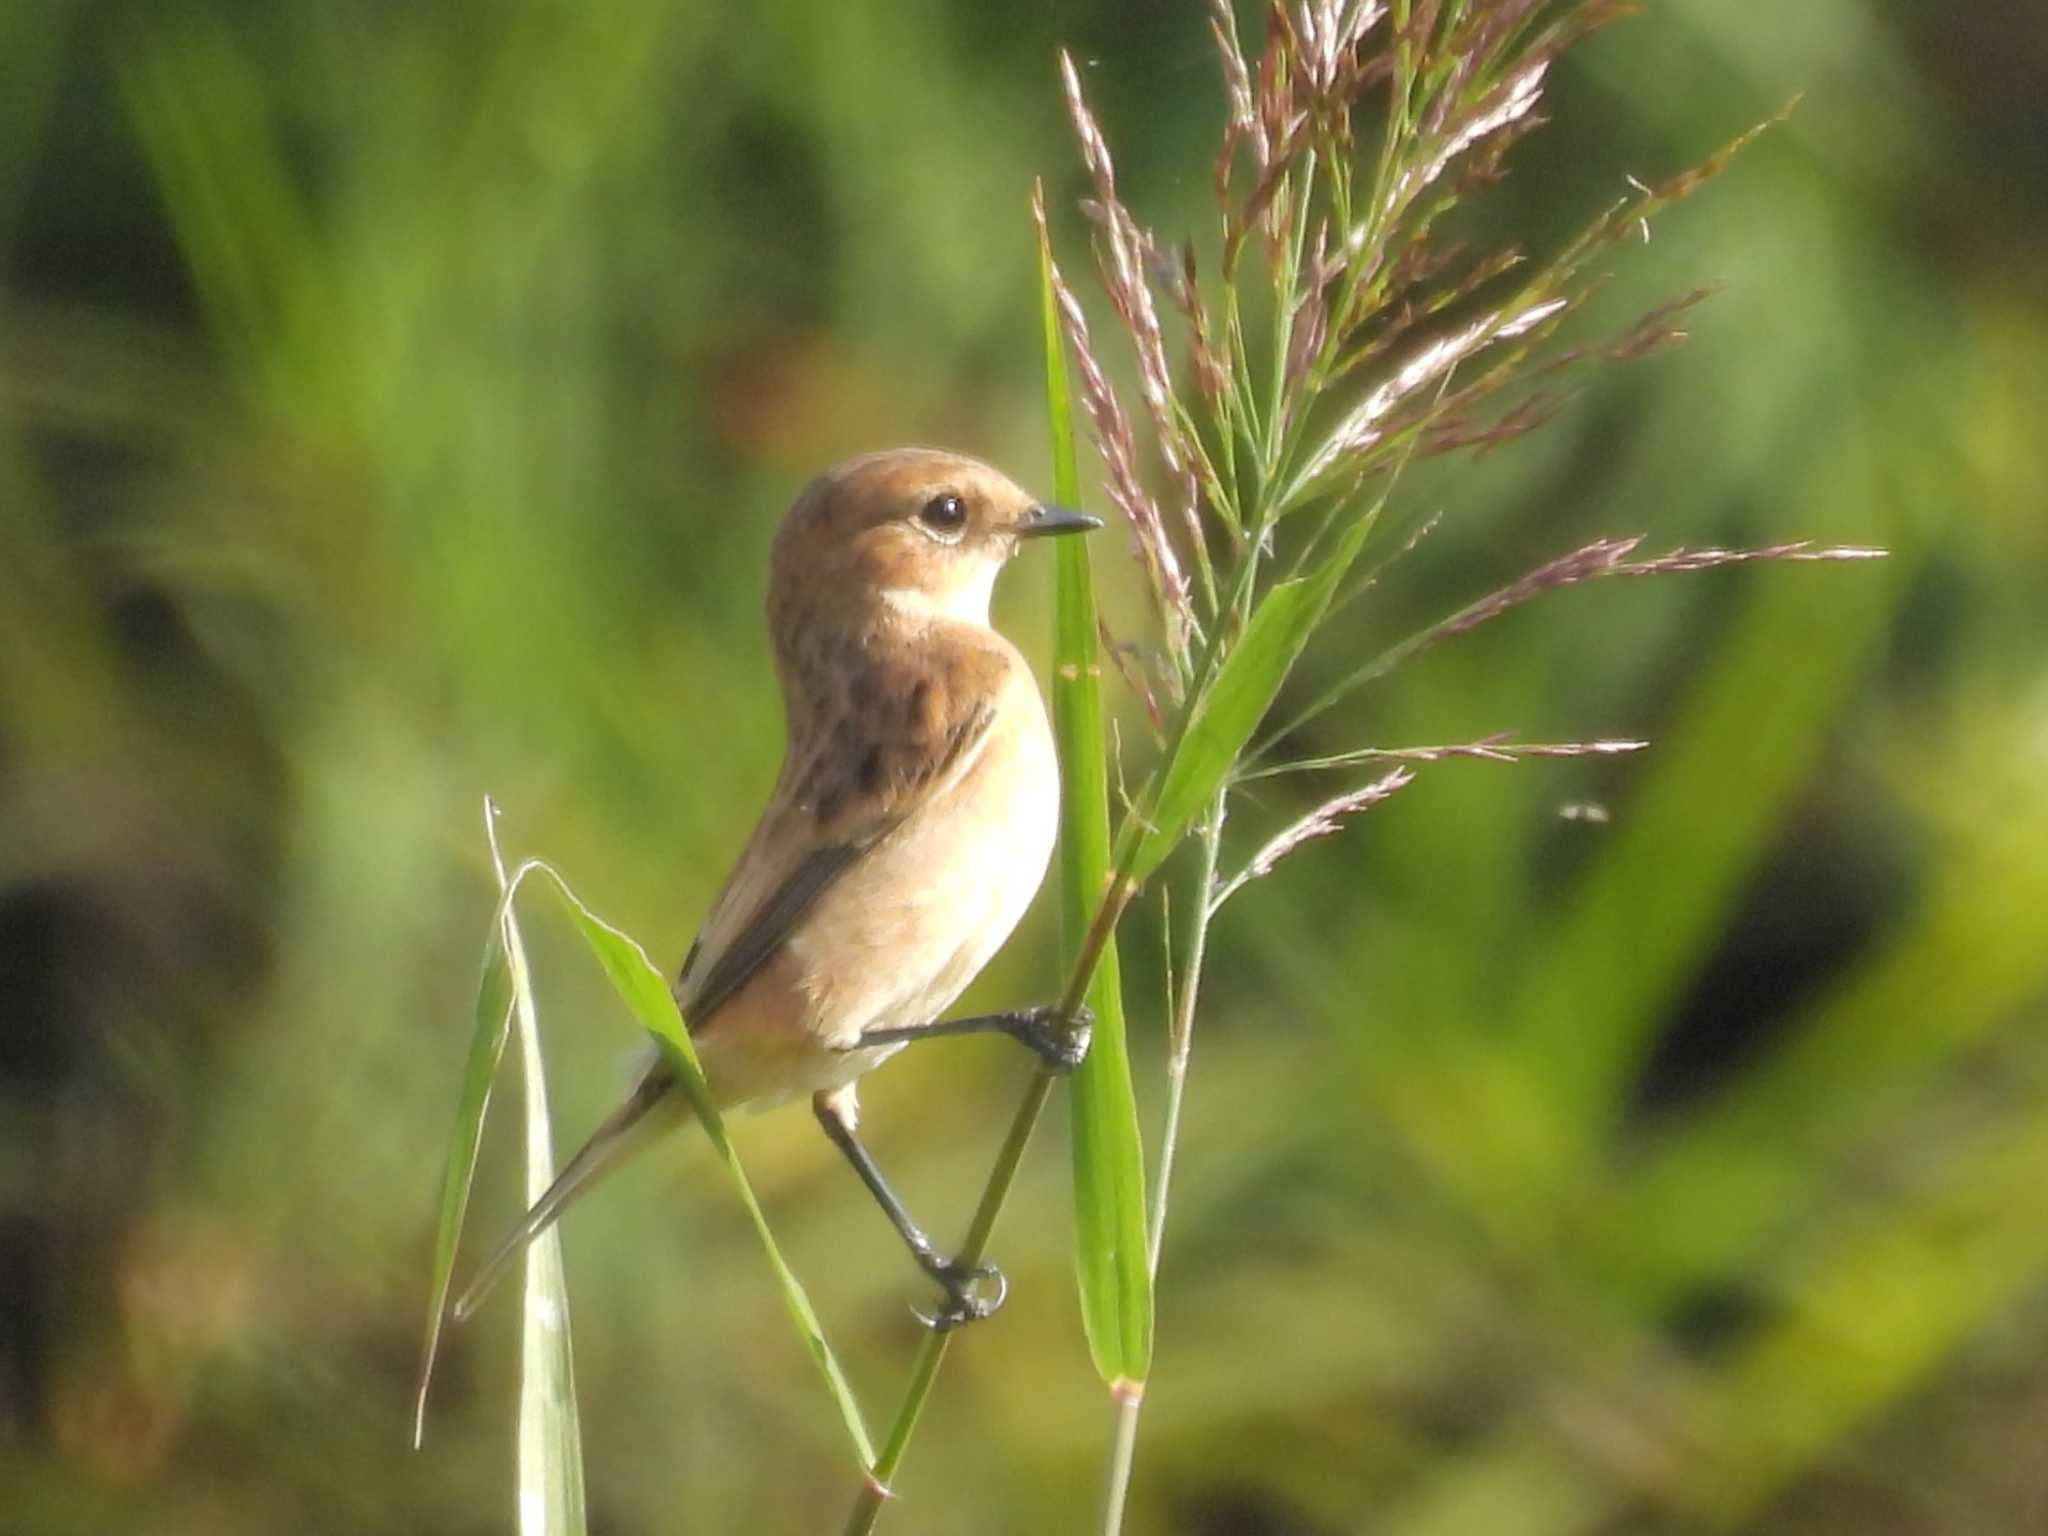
x=956, y=730
x=901, y=934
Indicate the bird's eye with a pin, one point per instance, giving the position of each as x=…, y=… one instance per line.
x=944, y=514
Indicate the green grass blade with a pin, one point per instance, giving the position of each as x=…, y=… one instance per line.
x=207, y=119
x=1109, y=1163
x=1234, y=704
x=646, y=992
x=550, y=1439
x=486, y=1049
x=486, y=1046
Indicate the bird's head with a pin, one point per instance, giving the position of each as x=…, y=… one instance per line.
x=918, y=531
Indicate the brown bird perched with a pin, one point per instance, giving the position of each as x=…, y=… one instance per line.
x=906, y=835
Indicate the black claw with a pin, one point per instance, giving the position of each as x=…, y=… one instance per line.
x=1060, y=1039
x=963, y=1303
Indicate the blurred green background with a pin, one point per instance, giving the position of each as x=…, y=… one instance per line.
x=396, y=403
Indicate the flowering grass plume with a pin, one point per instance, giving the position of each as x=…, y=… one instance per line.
x=1343, y=336
x=1340, y=336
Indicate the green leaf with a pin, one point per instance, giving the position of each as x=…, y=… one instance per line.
x=1109, y=1163
x=1232, y=706
x=645, y=991
x=493, y=1019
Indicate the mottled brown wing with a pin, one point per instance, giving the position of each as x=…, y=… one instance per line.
x=867, y=775
x=701, y=992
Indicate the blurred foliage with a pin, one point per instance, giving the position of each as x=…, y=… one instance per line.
x=396, y=403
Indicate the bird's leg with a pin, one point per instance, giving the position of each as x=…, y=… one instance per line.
x=961, y=1282
x=1059, y=1039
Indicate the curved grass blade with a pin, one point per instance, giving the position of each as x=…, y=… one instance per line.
x=646, y=992
x=493, y=1017
x=551, y=1499
x=1109, y=1163
x=1246, y=685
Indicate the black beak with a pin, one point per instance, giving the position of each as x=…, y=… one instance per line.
x=1040, y=521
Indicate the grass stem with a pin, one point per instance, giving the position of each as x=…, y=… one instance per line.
x=931, y=1354
x=1123, y=1452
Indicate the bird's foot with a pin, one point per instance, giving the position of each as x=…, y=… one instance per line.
x=964, y=1301
x=1060, y=1039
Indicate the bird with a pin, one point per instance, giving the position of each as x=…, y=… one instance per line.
x=907, y=833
